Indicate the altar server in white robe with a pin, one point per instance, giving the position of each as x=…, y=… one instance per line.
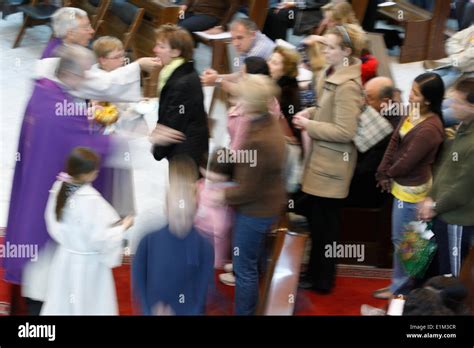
x=89, y=234
x=71, y=26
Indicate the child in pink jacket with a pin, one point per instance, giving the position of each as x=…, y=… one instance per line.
x=215, y=222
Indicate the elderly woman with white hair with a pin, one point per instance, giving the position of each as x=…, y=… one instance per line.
x=70, y=26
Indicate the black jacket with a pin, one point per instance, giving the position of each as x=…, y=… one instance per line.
x=289, y=100
x=182, y=108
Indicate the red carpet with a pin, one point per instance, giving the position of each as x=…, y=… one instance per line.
x=349, y=294
x=346, y=299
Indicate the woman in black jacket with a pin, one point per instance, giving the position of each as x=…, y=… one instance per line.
x=182, y=121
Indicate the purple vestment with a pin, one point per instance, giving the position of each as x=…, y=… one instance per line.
x=46, y=139
x=51, y=47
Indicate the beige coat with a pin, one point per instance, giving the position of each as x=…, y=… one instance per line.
x=331, y=162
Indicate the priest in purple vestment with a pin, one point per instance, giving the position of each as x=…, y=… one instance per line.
x=54, y=123
x=71, y=26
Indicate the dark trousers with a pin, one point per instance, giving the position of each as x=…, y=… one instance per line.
x=198, y=22
x=33, y=306
x=324, y=217
x=277, y=24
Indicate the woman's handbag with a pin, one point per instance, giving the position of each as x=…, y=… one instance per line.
x=372, y=128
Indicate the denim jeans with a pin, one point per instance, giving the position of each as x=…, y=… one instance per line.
x=198, y=22
x=402, y=214
x=449, y=75
x=248, y=249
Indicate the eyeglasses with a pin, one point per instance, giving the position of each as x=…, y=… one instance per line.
x=115, y=58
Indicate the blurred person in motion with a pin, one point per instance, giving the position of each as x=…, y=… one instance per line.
x=215, y=222
x=89, y=235
x=259, y=195
x=54, y=123
x=173, y=267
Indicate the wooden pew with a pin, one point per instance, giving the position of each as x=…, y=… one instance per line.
x=278, y=291
x=96, y=10
x=416, y=22
x=122, y=21
x=157, y=12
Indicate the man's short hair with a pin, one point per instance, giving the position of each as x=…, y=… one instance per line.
x=387, y=92
x=246, y=22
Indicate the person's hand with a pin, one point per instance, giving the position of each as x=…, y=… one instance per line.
x=312, y=39
x=127, y=222
x=149, y=64
x=301, y=119
x=385, y=185
x=162, y=309
x=164, y=136
x=183, y=8
x=426, y=211
x=215, y=30
x=209, y=77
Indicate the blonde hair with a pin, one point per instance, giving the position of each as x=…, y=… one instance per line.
x=342, y=13
x=352, y=36
x=178, y=38
x=105, y=45
x=291, y=58
x=257, y=91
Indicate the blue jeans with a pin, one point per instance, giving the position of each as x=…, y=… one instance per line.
x=402, y=214
x=448, y=75
x=248, y=249
x=198, y=22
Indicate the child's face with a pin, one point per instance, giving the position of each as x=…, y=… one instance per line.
x=113, y=60
x=213, y=176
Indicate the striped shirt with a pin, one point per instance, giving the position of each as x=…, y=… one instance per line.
x=262, y=47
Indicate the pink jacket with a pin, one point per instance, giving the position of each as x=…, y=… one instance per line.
x=214, y=222
x=237, y=124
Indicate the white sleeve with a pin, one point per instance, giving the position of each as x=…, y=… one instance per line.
x=104, y=238
x=52, y=224
x=120, y=85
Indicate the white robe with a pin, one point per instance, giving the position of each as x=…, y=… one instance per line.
x=88, y=247
x=119, y=85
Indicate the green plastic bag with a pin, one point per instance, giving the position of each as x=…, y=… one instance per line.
x=417, y=248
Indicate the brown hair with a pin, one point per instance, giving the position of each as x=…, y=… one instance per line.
x=291, y=59
x=80, y=161
x=178, y=39
x=105, y=45
x=466, y=86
